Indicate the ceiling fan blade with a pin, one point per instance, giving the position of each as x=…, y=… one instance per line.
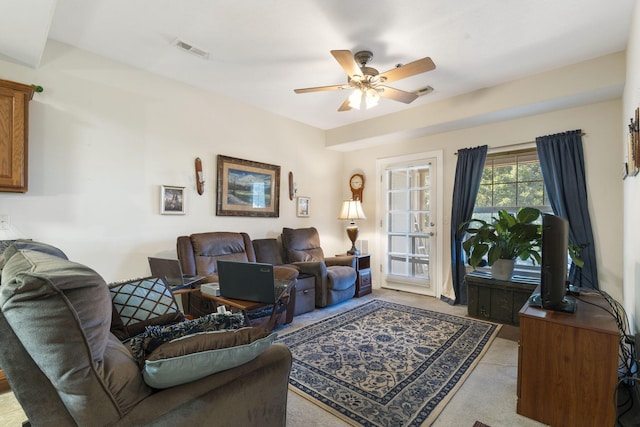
x=411, y=69
x=320, y=88
x=397, y=94
x=345, y=106
x=346, y=61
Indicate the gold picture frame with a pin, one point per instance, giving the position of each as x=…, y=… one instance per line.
x=247, y=188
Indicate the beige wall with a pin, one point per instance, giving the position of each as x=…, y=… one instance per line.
x=104, y=137
x=631, y=101
x=599, y=121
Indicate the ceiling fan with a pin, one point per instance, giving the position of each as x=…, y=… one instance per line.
x=367, y=83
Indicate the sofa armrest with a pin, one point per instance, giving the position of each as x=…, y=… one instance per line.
x=315, y=268
x=346, y=260
x=184, y=247
x=256, y=390
x=282, y=272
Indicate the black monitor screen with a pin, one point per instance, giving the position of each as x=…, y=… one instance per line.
x=553, y=282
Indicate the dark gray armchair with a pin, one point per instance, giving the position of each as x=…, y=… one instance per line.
x=335, y=277
x=67, y=369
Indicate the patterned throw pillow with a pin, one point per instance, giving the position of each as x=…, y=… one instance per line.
x=138, y=303
x=153, y=336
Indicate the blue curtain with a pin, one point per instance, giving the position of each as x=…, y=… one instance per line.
x=562, y=163
x=465, y=189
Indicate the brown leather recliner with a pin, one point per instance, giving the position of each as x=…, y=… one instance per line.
x=199, y=253
x=335, y=277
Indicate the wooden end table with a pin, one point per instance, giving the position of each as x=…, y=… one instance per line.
x=363, y=280
x=245, y=306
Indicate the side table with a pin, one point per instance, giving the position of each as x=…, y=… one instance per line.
x=363, y=280
x=568, y=364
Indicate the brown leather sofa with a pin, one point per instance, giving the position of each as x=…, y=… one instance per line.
x=198, y=254
x=335, y=277
x=67, y=369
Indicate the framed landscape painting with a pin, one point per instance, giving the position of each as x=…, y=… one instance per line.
x=247, y=188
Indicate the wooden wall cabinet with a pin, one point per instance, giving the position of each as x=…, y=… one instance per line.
x=14, y=135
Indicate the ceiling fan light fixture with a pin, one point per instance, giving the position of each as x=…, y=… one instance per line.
x=372, y=98
x=355, y=99
x=366, y=82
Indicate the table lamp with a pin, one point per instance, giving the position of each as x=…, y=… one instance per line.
x=352, y=210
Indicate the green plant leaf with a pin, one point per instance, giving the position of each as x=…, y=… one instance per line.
x=528, y=215
x=507, y=236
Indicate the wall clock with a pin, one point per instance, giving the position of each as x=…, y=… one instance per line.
x=356, y=182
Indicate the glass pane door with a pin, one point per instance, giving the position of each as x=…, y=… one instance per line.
x=410, y=223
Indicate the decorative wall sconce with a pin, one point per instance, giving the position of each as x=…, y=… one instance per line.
x=199, y=176
x=292, y=190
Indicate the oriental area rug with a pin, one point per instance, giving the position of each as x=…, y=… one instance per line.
x=386, y=364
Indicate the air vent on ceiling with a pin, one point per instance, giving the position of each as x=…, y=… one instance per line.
x=424, y=91
x=187, y=47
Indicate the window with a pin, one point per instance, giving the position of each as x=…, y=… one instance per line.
x=511, y=180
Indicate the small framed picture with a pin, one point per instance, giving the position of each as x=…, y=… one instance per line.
x=171, y=200
x=303, y=206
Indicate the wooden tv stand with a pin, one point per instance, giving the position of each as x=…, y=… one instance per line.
x=568, y=365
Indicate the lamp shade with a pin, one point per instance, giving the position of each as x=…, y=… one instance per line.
x=355, y=99
x=352, y=209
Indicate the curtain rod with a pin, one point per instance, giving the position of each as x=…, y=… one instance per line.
x=518, y=144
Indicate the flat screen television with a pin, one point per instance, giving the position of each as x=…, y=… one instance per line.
x=553, y=271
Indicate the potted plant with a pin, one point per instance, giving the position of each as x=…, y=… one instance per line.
x=502, y=240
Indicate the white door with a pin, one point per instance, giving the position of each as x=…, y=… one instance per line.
x=409, y=225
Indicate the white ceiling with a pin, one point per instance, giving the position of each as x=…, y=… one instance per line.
x=260, y=50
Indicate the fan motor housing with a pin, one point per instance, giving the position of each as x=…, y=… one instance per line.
x=363, y=57
x=369, y=71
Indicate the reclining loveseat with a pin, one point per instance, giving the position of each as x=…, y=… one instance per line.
x=199, y=253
